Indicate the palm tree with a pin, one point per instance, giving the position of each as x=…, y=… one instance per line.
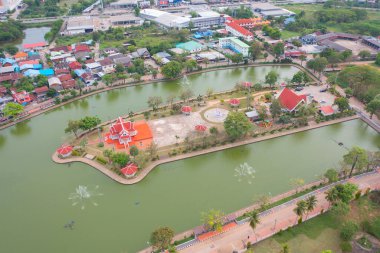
x=300, y=209
x=254, y=219
x=285, y=248
x=332, y=196
x=302, y=58
x=311, y=203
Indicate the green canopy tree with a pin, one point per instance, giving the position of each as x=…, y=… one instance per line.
x=73, y=126
x=213, y=219
x=237, y=125
x=271, y=78
x=162, y=237
x=342, y=103
x=172, y=69
x=331, y=175
x=12, y=109
x=255, y=51
x=356, y=157
x=120, y=158
x=373, y=107
x=133, y=151
x=155, y=102
x=275, y=108
x=89, y=122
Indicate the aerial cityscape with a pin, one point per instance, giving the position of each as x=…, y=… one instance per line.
x=191, y=126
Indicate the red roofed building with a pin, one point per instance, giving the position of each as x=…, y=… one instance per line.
x=326, y=110
x=130, y=170
x=75, y=65
x=64, y=49
x=65, y=150
x=69, y=84
x=41, y=92
x=82, y=48
x=65, y=77
x=61, y=71
x=234, y=102
x=123, y=131
x=11, y=77
x=290, y=100
x=186, y=110
x=28, y=62
x=294, y=53
x=200, y=128
x=35, y=45
x=21, y=97
x=239, y=31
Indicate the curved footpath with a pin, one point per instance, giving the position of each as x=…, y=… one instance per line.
x=272, y=221
x=154, y=164
x=108, y=88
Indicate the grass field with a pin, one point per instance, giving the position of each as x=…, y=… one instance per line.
x=319, y=233
x=310, y=9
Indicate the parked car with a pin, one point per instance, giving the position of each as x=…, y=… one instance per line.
x=298, y=88
x=323, y=90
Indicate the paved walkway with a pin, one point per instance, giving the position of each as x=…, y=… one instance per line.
x=154, y=164
x=279, y=218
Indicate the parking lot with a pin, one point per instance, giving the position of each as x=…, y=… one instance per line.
x=323, y=98
x=355, y=46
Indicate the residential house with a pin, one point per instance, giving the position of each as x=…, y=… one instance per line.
x=69, y=84
x=94, y=67
x=75, y=65
x=191, y=46
x=22, y=97
x=10, y=77
x=6, y=62
x=7, y=70
x=81, y=48
x=82, y=55
x=20, y=56
x=41, y=92
x=126, y=61
x=62, y=49
x=110, y=50
x=290, y=101
x=55, y=83
x=108, y=65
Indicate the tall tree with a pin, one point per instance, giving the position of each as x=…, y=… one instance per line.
x=120, y=159
x=275, y=108
x=12, y=109
x=154, y=102
x=300, y=209
x=342, y=103
x=237, y=125
x=373, y=107
x=311, y=203
x=278, y=49
x=271, y=78
x=162, y=237
x=255, y=50
x=73, y=126
x=357, y=158
x=302, y=58
x=213, y=219
x=172, y=69
x=89, y=122
x=331, y=175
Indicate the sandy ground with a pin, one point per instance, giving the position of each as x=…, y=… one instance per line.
x=324, y=98
x=166, y=129
x=355, y=46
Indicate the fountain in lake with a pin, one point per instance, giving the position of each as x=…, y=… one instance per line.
x=245, y=172
x=84, y=195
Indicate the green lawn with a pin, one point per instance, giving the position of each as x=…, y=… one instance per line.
x=319, y=233
x=288, y=34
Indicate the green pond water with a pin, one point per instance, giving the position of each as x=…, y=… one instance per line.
x=34, y=192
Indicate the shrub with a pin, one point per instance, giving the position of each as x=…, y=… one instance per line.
x=358, y=194
x=374, y=228
x=75, y=153
x=348, y=230
x=100, y=144
x=101, y=160
x=345, y=247
x=365, y=243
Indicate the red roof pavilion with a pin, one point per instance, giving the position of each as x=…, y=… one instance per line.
x=247, y=84
x=34, y=45
x=65, y=150
x=200, y=128
x=327, y=110
x=290, y=100
x=186, y=109
x=234, y=102
x=130, y=170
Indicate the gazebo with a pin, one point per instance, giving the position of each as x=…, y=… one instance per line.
x=130, y=170
x=65, y=151
x=247, y=84
x=234, y=102
x=200, y=128
x=186, y=109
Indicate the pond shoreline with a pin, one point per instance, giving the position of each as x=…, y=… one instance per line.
x=165, y=160
x=109, y=88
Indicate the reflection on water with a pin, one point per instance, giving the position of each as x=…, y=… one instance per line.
x=21, y=129
x=2, y=141
x=113, y=95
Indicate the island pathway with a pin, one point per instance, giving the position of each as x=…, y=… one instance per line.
x=280, y=218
